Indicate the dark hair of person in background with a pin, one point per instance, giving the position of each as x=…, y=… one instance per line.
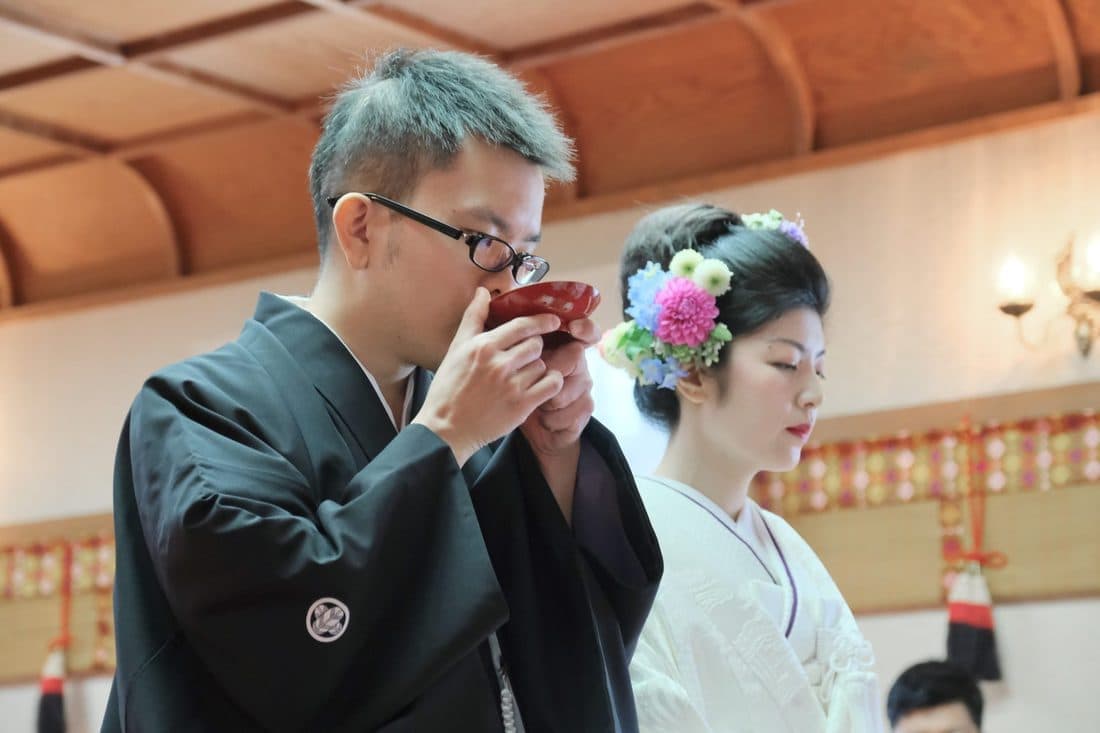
x=931, y=684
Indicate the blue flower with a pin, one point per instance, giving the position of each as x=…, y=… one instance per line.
x=642, y=289
x=662, y=372
x=653, y=371
x=645, y=315
x=643, y=285
x=673, y=374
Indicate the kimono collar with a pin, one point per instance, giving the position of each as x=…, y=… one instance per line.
x=335, y=372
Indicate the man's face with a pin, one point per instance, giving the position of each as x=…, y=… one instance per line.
x=950, y=718
x=430, y=277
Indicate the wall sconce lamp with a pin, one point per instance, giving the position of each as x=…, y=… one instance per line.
x=1080, y=284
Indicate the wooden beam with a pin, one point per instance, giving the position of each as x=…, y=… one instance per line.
x=403, y=21
x=780, y=51
x=830, y=158
x=1066, y=56
x=74, y=43
x=139, y=291
x=73, y=142
x=735, y=6
x=202, y=32
x=45, y=71
x=100, y=53
x=48, y=161
x=7, y=286
x=149, y=144
x=597, y=39
x=131, y=149
x=168, y=71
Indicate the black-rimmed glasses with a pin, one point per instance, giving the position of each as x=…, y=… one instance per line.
x=490, y=253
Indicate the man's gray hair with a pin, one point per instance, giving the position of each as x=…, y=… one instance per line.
x=410, y=113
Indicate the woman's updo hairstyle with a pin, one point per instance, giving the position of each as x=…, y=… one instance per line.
x=772, y=274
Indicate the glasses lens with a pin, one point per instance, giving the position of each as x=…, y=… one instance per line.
x=531, y=270
x=490, y=254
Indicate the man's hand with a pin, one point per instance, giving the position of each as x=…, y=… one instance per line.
x=553, y=430
x=559, y=422
x=489, y=381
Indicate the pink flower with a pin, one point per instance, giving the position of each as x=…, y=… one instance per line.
x=687, y=313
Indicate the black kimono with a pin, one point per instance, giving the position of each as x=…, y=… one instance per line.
x=286, y=561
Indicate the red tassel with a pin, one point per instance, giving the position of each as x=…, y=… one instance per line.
x=970, y=641
x=51, y=705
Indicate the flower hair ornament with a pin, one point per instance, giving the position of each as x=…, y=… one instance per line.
x=674, y=312
x=773, y=220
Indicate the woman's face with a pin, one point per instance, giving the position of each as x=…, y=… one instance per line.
x=761, y=409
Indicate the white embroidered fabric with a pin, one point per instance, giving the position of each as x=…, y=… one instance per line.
x=714, y=656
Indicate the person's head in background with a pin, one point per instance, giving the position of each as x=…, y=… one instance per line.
x=935, y=697
x=753, y=409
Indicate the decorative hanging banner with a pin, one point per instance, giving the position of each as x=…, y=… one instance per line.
x=1031, y=456
x=1016, y=457
x=72, y=578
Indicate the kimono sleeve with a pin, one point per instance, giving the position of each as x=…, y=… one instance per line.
x=664, y=706
x=279, y=590
x=611, y=526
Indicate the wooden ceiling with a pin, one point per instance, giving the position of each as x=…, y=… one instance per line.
x=146, y=143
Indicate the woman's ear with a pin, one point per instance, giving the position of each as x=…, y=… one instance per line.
x=692, y=387
x=355, y=224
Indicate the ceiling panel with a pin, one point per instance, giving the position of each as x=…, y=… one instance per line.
x=672, y=106
x=124, y=20
x=914, y=63
x=511, y=25
x=298, y=57
x=909, y=45
x=239, y=195
x=118, y=104
x=1084, y=20
x=20, y=50
x=18, y=149
x=81, y=228
x=214, y=101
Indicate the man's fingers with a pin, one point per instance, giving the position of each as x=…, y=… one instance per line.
x=523, y=353
x=585, y=330
x=566, y=358
x=548, y=385
x=528, y=375
x=473, y=319
x=524, y=327
x=574, y=388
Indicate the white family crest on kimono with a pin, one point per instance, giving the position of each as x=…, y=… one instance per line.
x=748, y=632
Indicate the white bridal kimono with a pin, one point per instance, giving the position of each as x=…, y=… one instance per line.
x=748, y=633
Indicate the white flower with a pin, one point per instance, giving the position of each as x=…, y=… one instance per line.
x=684, y=263
x=712, y=276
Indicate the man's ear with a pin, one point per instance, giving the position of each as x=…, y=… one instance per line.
x=357, y=223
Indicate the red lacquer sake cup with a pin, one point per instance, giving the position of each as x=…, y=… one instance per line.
x=567, y=299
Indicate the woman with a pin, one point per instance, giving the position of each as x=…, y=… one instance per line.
x=725, y=342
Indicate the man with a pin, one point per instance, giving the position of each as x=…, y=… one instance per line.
x=935, y=697
x=314, y=534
